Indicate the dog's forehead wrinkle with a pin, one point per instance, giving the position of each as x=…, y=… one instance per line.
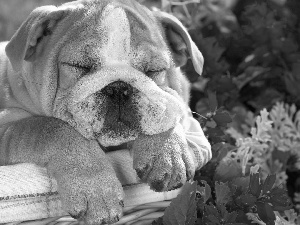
x=146, y=29
x=117, y=40
x=80, y=54
x=114, y=31
x=146, y=57
x=86, y=51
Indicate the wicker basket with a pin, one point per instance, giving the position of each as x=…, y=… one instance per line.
x=133, y=214
x=138, y=215
x=28, y=195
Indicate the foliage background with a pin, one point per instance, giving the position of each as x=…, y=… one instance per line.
x=252, y=68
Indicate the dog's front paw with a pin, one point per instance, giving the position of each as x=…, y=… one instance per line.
x=92, y=198
x=163, y=160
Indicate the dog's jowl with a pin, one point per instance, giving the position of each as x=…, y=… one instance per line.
x=78, y=79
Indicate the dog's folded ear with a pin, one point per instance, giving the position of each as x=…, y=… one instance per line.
x=180, y=41
x=27, y=43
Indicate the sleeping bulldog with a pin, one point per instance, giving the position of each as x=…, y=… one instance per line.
x=89, y=76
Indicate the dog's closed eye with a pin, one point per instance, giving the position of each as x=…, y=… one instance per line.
x=159, y=76
x=70, y=72
x=151, y=73
x=78, y=67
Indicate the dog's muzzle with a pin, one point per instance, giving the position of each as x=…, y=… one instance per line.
x=116, y=105
x=118, y=92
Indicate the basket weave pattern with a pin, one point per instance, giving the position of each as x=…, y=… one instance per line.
x=138, y=215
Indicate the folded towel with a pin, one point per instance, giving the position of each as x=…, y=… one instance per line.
x=27, y=192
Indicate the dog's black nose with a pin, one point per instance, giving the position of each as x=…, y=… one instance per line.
x=118, y=91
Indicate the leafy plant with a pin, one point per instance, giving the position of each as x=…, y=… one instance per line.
x=250, y=47
x=252, y=55
x=235, y=187
x=240, y=201
x=281, y=151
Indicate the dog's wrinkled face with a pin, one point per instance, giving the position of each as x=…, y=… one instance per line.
x=114, y=77
x=109, y=68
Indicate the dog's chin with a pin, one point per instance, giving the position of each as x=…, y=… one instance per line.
x=116, y=133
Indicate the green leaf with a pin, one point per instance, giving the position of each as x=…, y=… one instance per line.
x=280, y=199
x=226, y=217
x=212, y=52
x=211, y=215
x=222, y=210
x=242, y=217
x=228, y=169
x=215, y=134
x=220, y=150
x=205, y=191
x=223, y=193
x=254, y=185
x=211, y=124
x=213, y=219
x=230, y=217
x=212, y=210
x=288, y=46
x=182, y=209
x=296, y=70
x=266, y=213
x=292, y=85
x=268, y=184
x=247, y=200
x=242, y=183
x=212, y=99
x=222, y=118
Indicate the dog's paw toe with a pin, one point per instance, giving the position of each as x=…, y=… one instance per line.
x=93, y=201
x=143, y=172
x=79, y=215
x=158, y=185
x=103, y=212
